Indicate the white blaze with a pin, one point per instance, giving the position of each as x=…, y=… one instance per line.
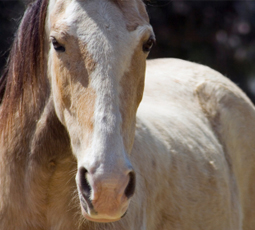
x=101, y=27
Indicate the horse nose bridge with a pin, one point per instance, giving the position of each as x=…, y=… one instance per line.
x=107, y=161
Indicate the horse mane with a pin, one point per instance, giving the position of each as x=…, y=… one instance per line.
x=2, y=86
x=25, y=65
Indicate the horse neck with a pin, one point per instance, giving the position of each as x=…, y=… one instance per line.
x=33, y=148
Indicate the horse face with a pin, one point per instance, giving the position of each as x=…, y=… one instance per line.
x=97, y=65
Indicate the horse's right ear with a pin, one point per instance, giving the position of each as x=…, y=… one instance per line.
x=158, y=3
x=150, y=2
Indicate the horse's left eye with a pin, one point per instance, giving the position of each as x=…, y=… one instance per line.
x=148, y=44
x=57, y=46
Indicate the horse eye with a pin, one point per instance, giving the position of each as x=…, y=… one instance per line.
x=148, y=44
x=57, y=46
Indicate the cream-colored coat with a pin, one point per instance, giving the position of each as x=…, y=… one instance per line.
x=194, y=151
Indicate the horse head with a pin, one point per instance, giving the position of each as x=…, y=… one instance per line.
x=97, y=53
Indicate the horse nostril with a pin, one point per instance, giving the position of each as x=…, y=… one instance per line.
x=85, y=187
x=130, y=189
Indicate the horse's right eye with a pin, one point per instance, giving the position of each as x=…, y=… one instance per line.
x=57, y=46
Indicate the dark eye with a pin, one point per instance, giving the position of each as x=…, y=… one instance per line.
x=57, y=46
x=148, y=44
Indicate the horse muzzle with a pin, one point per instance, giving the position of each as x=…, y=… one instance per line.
x=105, y=197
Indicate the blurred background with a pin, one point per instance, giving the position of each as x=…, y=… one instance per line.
x=220, y=34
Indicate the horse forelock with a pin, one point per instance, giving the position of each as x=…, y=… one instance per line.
x=25, y=66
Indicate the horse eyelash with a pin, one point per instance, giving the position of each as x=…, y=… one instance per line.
x=57, y=46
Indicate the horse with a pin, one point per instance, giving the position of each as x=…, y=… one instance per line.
x=94, y=137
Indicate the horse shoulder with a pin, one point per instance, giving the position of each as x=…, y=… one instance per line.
x=232, y=116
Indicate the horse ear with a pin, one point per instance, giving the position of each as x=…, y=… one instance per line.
x=150, y=2
x=156, y=2
x=28, y=2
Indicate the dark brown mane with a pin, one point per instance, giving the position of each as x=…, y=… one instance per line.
x=25, y=64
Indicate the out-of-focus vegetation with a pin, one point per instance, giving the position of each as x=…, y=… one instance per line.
x=220, y=34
